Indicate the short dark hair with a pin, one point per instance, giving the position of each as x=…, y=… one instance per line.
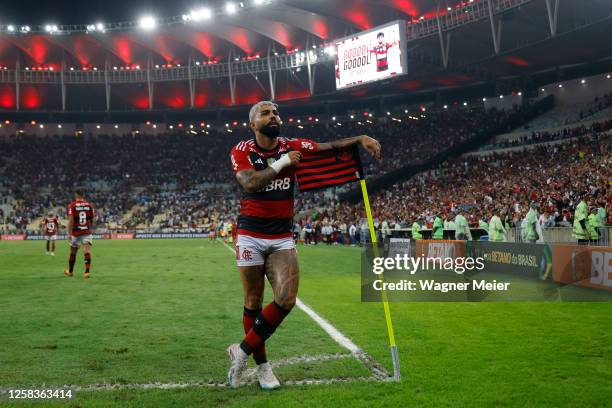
x=79, y=192
x=381, y=34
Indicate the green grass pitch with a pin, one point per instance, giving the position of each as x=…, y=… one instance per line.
x=165, y=310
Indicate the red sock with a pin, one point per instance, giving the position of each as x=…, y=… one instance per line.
x=71, y=261
x=264, y=326
x=87, y=262
x=248, y=318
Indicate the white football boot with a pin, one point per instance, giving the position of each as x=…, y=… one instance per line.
x=267, y=379
x=238, y=359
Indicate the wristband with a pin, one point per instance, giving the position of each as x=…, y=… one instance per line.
x=281, y=163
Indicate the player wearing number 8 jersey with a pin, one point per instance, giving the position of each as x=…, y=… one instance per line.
x=80, y=219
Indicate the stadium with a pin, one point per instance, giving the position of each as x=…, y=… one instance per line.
x=169, y=170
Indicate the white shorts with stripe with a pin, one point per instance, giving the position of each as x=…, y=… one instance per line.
x=76, y=242
x=251, y=251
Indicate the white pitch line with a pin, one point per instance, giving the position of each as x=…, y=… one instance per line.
x=334, y=333
x=249, y=378
x=192, y=384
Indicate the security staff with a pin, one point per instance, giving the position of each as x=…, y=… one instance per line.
x=592, y=226
x=580, y=230
x=462, y=228
x=532, y=223
x=438, y=228
x=496, y=229
x=416, y=230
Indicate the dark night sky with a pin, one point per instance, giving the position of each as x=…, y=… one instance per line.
x=39, y=12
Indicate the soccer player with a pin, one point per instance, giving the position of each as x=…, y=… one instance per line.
x=212, y=231
x=381, y=51
x=80, y=219
x=49, y=226
x=265, y=170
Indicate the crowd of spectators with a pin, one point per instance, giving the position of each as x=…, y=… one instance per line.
x=410, y=138
x=181, y=174
x=544, y=136
x=502, y=184
x=184, y=180
x=599, y=104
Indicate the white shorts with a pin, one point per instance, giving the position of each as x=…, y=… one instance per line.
x=251, y=251
x=76, y=242
x=50, y=237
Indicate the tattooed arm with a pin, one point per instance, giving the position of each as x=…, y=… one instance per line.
x=254, y=180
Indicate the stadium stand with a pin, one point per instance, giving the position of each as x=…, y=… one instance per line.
x=181, y=180
x=547, y=135
x=497, y=182
x=575, y=101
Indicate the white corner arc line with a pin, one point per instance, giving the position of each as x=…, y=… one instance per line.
x=334, y=333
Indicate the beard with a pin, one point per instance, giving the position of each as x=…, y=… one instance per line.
x=270, y=131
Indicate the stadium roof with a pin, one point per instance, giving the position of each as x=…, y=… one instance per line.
x=283, y=24
x=290, y=24
x=531, y=36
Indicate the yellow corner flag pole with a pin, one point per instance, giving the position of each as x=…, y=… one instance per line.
x=392, y=345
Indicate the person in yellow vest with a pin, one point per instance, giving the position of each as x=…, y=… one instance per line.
x=531, y=223
x=416, y=230
x=592, y=225
x=580, y=230
x=438, y=228
x=482, y=224
x=496, y=229
x=230, y=237
x=462, y=227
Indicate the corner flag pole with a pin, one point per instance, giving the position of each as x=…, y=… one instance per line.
x=392, y=345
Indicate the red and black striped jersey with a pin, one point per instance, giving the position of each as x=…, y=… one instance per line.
x=50, y=225
x=82, y=214
x=381, y=51
x=268, y=213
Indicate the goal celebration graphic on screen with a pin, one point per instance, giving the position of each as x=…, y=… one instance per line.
x=370, y=56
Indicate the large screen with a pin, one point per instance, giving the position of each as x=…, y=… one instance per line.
x=371, y=55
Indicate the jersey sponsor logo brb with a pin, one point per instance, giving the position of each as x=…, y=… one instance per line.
x=278, y=184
